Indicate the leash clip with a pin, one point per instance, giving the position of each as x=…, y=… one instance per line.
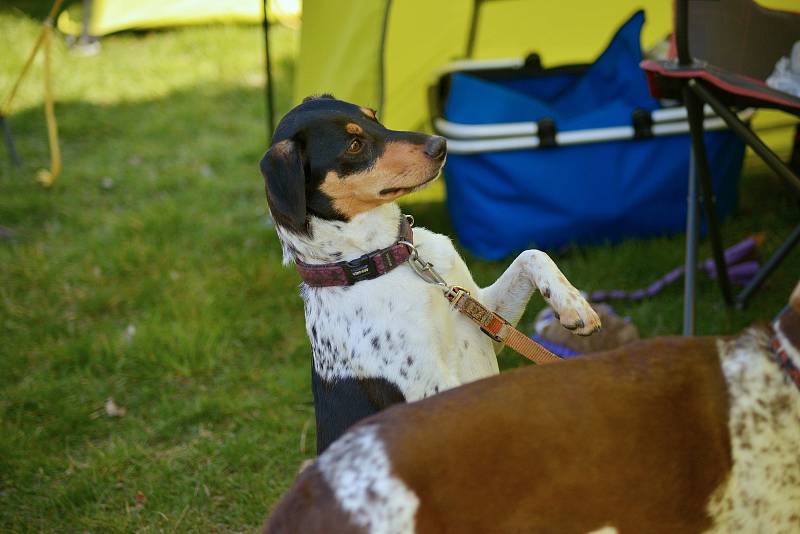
x=424, y=269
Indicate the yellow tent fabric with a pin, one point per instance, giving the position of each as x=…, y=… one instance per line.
x=340, y=43
x=109, y=16
x=340, y=50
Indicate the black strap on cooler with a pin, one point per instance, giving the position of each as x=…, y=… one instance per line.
x=546, y=130
x=642, y=122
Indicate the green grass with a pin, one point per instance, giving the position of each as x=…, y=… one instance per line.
x=165, y=290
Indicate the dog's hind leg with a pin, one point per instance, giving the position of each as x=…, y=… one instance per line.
x=533, y=269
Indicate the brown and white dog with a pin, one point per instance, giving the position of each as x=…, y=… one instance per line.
x=665, y=435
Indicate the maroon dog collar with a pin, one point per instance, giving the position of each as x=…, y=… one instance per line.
x=367, y=267
x=788, y=317
x=785, y=362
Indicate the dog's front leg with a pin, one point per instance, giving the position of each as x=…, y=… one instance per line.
x=533, y=269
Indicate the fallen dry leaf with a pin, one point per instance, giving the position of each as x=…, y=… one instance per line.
x=141, y=500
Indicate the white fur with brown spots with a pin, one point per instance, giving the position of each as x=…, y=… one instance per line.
x=762, y=493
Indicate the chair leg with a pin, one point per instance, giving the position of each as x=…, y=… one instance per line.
x=692, y=232
x=774, y=162
x=766, y=270
x=694, y=109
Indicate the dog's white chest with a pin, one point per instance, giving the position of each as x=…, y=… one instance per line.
x=400, y=328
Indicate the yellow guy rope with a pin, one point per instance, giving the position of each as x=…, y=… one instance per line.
x=45, y=177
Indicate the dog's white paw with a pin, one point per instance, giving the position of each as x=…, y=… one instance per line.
x=571, y=309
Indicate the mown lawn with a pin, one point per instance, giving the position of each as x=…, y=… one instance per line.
x=150, y=274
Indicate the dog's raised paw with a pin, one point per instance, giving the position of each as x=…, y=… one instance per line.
x=576, y=315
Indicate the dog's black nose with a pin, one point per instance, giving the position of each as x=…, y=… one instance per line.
x=436, y=147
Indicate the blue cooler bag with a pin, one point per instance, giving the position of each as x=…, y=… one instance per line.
x=578, y=154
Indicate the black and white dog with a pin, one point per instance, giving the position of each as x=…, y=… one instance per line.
x=332, y=175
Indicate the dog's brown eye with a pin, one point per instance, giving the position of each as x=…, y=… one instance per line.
x=354, y=147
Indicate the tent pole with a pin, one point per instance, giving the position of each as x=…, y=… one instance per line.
x=12, y=150
x=473, y=27
x=87, y=15
x=268, y=86
x=382, y=58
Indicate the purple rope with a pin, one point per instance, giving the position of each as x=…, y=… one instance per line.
x=741, y=270
x=555, y=348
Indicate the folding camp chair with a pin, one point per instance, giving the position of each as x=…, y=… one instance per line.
x=734, y=46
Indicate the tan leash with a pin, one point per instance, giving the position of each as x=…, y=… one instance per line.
x=490, y=323
x=497, y=328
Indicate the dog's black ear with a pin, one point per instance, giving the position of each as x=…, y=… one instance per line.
x=285, y=182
